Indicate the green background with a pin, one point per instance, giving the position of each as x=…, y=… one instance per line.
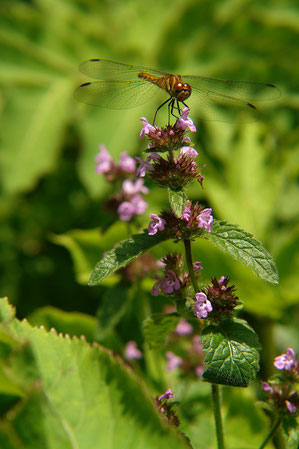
x=52, y=222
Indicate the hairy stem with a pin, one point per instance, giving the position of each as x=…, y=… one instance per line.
x=217, y=416
x=187, y=244
x=271, y=433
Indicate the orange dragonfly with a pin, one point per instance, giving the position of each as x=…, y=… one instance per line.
x=123, y=86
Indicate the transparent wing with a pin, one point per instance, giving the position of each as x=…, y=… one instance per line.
x=117, y=94
x=103, y=69
x=206, y=105
x=236, y=89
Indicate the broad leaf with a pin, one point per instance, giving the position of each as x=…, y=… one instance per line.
x=158, y=326
x=114, y=304
x=72, y=323
x=177, y=201
x=243, y=247
x=123, y=253
x=74, y=395
x=86, y=246
x=232, y=353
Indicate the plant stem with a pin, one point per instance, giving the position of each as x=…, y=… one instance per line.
x=215, y=388
x=271, y=433
x=217, y=416
x=190, y=264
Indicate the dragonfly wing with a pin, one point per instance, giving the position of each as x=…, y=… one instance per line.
x=116, y=94
x=208, y=105
x=237, y=89
x=104, y=69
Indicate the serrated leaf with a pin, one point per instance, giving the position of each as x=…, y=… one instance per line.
x=123, y=253
x=177, y=201
x=158, y=326
x=72, y=323
x=75, y=395
x=243, y=247
x=232, y=353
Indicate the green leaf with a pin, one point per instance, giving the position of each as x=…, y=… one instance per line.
x=232, y=353
x=243, y=247
x=72, y=323
x=114, y=304
x=177, y=201
x=85, y=246
x=123, y=253
x=75, y=396
x=40, y=117
x=158, y=326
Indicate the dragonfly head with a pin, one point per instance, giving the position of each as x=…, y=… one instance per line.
x=183, y=91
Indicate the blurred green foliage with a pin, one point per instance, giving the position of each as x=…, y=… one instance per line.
x=48, y=144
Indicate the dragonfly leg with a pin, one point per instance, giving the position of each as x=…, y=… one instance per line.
x=178, y=107
x=165, y=102
x=173, y=106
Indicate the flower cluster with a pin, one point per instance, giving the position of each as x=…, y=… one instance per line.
x=172, y=172
x=166, y=408
x=218, y=300
x=193, y=219
x=170, y=138
x=129, y=201
x=281, y=396
x=175, y=279
x=167, y=285
x=106, y=165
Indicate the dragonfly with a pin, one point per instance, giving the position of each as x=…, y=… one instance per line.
x=124, y=86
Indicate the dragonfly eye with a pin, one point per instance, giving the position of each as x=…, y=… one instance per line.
x=184, y=91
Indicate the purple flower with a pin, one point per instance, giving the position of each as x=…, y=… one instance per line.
x=191, y=152
x=126, y=210
x=187, y=212
x=131, y=351
x=139, y=204
x=183, y=328
x=205, y=219
x=291, y=407
x=185, y=122
x=267, y=387
x=202, y=305
x=131, y=188
x=173, y=361
x=157, y=224
x=285, y=361
x=167, y=285
x=197, y=266
x=127, y=163
x=157, y=285
x=145, y=165
x=198, y=370
x=170, y=283
x=147, y=127
x=166, y=396
x=104, y=160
